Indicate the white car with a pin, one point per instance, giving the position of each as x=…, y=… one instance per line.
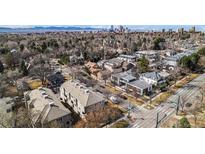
x=114, y=99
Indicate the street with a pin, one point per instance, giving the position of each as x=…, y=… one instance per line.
x=148, y=118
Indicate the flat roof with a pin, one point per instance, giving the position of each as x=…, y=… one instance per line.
x=128, y=77
x=139, y=84
x=127, y=56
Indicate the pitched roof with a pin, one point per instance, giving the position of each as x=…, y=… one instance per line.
x=152, y=75
x=55, y=113
x=86, y=96
x=47, y=106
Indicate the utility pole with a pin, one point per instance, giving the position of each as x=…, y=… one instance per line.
x=178, y=103
x=157, y=120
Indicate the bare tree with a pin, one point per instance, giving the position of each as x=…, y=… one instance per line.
x=41, y=69
x=195, y=110
x=182, y=103
x=5, y=120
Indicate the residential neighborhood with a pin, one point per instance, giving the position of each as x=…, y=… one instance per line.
x=111, y=78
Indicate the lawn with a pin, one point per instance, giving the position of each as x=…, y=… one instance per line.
x=112, y=89
x=165, y=95
x=134, y=100
x=35, y=84
x=120, y=124
x=112, y=105
x=11, y=91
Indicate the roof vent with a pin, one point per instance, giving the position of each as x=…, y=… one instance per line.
x=51, y=103
x=87, y=91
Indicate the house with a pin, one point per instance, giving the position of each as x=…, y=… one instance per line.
x=128, y=58
x=76, y=59
x=92, y=67
x=174, y=60
x=131, y=83
x=139, y=87
x=96, y=72
x=46, y=108
x=122, y=78
x=101, y=63
x=151, y=55
x=127, y=66
x=164, y=74
x=103, y=75
x=153, y=78
x=81, y=98
x=170, y=52
x=113, y=65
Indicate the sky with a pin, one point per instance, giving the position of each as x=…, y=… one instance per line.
x=102, y=12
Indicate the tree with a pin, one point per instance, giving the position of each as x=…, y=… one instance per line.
x=64, y=59
x=194, y=59
x=99, y=118
x=144, y=64
x=201, y=51
x=10, y=61
x=23, y=68
x=5, y=121
x=189, y=62
x=66, y=45
x=184, y=123
x=21, y=47
x=1, y=67
x=22, y=118
x=134, y=46
x=3, y=84
x=4, y=50
x=157, y=43
x=41, y=69
x=43, y=47
x=185, y=61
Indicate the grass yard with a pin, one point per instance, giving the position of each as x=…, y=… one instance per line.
x=11, y=91
x=35, y=84
x=165, y=95
x=120, y=124
x=134, y=100
x=112, y=89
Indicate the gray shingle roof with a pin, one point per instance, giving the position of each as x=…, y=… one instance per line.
x=85, y=95
x=47, y=107
x=152, y=75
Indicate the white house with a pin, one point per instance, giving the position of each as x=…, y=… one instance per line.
x=128, y=58
x=153, y=78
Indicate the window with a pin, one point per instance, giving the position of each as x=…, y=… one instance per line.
x=8, y=110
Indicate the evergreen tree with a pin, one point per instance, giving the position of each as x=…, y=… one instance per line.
x=1, y=67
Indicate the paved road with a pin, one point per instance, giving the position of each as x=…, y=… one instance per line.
x=147, y=118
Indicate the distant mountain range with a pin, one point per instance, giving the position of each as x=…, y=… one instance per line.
x=140, y=28
x=46, y=29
